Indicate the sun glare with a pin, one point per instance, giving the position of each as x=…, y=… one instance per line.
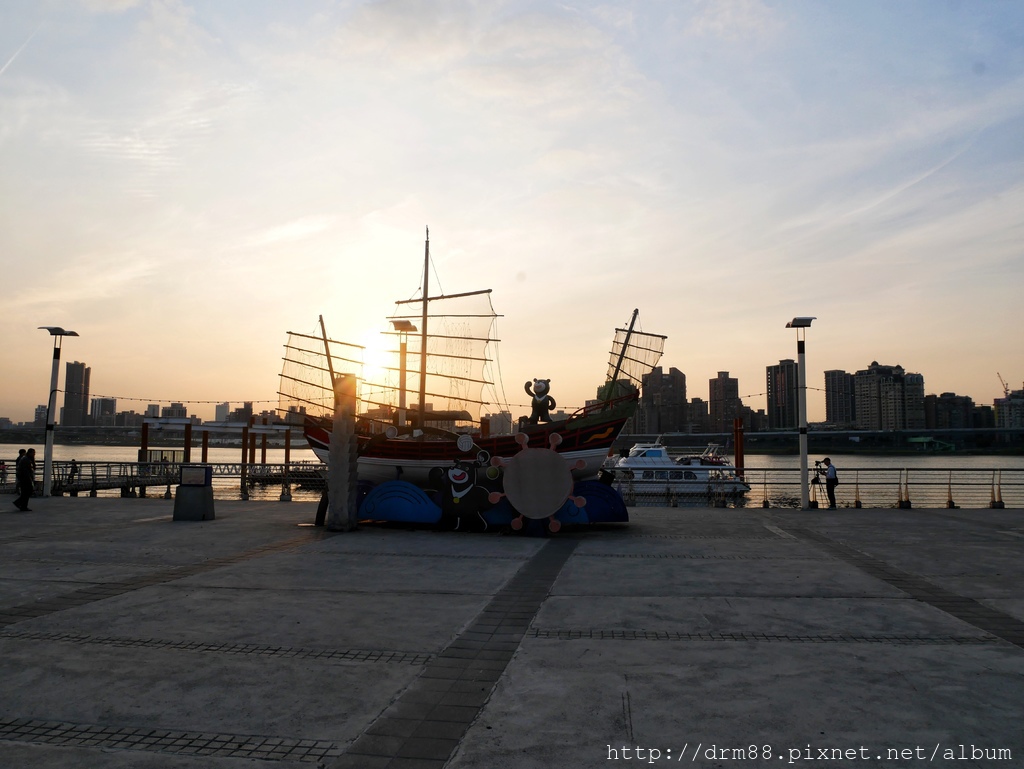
x=377, y=357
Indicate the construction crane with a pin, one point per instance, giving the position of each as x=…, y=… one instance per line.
x=1006, y=388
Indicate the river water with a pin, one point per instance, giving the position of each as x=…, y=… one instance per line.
x=877, y=481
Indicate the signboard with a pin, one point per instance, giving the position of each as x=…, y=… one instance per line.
x=196, y=475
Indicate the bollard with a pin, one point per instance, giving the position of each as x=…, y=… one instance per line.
x=904, y=503
x=950, y=504
x=321, y=510
x=997, y=493
x=856, y=491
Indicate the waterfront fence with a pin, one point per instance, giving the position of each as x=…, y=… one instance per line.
x=875, y=487
x=893, y=487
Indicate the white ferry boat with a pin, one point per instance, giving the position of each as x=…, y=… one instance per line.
x=649, y=468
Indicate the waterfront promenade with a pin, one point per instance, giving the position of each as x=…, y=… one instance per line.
x=721, y=637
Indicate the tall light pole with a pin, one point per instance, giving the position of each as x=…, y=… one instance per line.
x=801, y=324
x=404, y=328
x=57, y=333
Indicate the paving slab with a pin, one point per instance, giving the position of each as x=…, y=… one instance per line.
x=714, y=637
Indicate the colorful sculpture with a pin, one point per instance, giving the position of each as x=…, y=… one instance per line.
x=462, y=500
x=537, y=482
x=542, y=402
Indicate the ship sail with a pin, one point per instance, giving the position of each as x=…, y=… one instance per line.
x=442, y=355
x=311, y=362
x=449, y=367
x=634, y=354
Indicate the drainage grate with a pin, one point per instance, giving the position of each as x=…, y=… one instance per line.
x=708, y=557
x=406, y=554
x=259, y=650
x=657, y=635
x=727, y=537
x=166, y=741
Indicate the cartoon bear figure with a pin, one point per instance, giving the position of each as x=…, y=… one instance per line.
x=462, y=500
x=542, y=401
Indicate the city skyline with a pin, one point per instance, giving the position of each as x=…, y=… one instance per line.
x=184, y=183
x=779, y=393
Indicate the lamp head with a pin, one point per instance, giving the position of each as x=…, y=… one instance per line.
x=801, y=322
x=403, y=325
x=58, y=331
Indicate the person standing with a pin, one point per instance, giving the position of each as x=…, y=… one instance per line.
x=17, y=464
x=26, y=480
x=831, y=481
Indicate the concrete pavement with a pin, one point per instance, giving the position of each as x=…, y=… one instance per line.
x=714, y=637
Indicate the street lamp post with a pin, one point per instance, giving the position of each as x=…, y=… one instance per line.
x=51, y=405
x=801, y=325
x=403, y=327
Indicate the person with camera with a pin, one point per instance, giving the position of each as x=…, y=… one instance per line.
x=831, y=480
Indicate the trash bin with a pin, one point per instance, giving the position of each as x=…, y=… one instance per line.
x=193, y=497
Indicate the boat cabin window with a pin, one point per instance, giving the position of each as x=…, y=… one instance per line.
x=648, y=475
x=690, y=475
x=661, y=475
x=675, y=475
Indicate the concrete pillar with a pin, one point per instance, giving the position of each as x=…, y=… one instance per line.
x=341, y=472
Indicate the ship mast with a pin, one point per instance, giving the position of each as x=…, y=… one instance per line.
x=622, y=354
x=327, y=351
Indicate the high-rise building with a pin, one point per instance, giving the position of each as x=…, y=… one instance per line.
x=783, y=393
x=128, y=419
x=913, y=401
x=76, y=394
x=296, y=415
x=153, y=411
x=40, y=417
x=499, y=424
x=1010, y=409
x=102, y=411
x=948, y=410
x=663, y=402
x=174, y=411
x=840, y=403
x=723, y=402
x=222, y=410
x=698, y=413
x=241, y=414
x=887, y=398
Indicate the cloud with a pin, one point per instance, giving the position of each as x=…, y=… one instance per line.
x=299, y=229
x=110, y=6
x=90, y=280
x=15, y=54
x=735, y=20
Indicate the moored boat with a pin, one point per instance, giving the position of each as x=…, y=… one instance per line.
x=649, y=468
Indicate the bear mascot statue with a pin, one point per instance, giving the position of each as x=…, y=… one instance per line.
x=539, y=390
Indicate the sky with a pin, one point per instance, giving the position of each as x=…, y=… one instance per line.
x=182, y=183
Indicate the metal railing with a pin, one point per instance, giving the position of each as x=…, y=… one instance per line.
x=872, y=488
x=230, y=480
